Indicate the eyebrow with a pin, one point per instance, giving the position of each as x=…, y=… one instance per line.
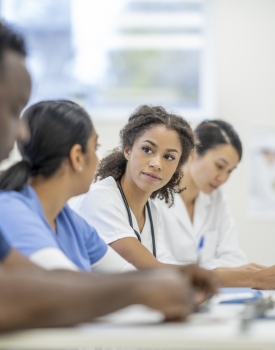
x=153, y=144
x=225, y=161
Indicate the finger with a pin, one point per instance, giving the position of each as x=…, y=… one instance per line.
x=178, y=313
x=259, y=266
x=200, y=297
x=208, y=284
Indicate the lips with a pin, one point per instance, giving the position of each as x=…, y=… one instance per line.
x=213, y=186
x=151, y=177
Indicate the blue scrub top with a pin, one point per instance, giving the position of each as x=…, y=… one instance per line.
x=4, y=247
x=24, y=225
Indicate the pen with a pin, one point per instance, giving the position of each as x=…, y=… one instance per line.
x=199, y=249
x=205, y=306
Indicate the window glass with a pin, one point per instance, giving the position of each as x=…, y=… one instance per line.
x=113, y=55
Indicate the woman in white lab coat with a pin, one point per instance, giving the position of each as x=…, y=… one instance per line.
x=199, y=227
x=154, y=146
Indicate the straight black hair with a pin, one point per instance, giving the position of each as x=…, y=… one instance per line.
x=213, y=133
x=55, y=127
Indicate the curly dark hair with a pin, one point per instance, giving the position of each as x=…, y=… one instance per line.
x=140, y=121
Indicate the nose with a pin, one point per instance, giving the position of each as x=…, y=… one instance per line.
x=23, y=132
x=222, y=178
x=155, y=162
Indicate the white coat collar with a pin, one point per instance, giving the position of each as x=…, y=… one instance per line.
x=201, y=210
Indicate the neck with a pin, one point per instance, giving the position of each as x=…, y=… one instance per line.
x=136, y=197
x=53, y=194
x=190, y=194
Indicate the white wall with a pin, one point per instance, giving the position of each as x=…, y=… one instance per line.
x=246, y=98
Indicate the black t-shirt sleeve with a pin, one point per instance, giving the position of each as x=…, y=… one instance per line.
x=4, y=247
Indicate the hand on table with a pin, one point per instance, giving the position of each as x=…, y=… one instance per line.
x=247, y=267
x=263, y=279
x=203, y=281
x=168, y=291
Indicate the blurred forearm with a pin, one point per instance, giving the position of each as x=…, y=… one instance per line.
x=60, y=297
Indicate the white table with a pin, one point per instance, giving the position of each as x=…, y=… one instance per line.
x=139, y=328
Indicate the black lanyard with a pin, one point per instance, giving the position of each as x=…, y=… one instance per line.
x=131, y=221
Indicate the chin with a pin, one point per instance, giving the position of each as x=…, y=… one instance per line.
x=148, y=187
x=208, y=190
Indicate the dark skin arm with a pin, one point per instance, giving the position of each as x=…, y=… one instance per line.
x=32, y=297
x=16, y=260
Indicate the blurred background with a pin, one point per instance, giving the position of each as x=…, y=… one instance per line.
x=199, y=58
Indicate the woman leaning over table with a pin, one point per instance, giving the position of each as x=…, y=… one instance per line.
x=200, y=215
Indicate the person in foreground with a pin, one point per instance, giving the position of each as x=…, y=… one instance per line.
x=154, y=147
x=33, y=297
x=200, y=213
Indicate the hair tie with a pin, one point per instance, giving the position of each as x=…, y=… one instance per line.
x=28, y=161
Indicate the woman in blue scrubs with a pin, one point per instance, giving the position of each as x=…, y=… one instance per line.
x=59, y=162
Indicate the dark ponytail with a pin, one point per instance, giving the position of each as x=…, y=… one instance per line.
x=140, y=121
x=55, y=127
x=213, y=133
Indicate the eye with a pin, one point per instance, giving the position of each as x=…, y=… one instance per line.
x=97, y=145
x=220, y=167
x=169, y=157
x=147, y=150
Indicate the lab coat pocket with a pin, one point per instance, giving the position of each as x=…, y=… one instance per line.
x=210, y=245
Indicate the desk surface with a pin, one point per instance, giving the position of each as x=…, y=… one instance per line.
x=138, y=327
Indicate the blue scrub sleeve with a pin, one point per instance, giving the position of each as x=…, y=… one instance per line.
x=22, y=227
x=96, y=247
x=4, y=247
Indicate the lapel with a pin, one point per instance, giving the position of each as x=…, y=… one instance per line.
x=182, y=216
x=201, y=211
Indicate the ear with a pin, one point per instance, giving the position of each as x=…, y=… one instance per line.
x=127, y=152
x=76, y=158
x=192, y=156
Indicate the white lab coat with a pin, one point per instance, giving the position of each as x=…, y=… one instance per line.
x=103, y=208
x=212, y=219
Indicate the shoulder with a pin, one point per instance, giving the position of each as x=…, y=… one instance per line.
x=13, y=201
x=77, y=221
x=103, y=187
x=104, y=192
x=22, y=223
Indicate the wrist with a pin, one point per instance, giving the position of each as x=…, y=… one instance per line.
x=140, y=287
x=256, y=280
x=235, y=278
